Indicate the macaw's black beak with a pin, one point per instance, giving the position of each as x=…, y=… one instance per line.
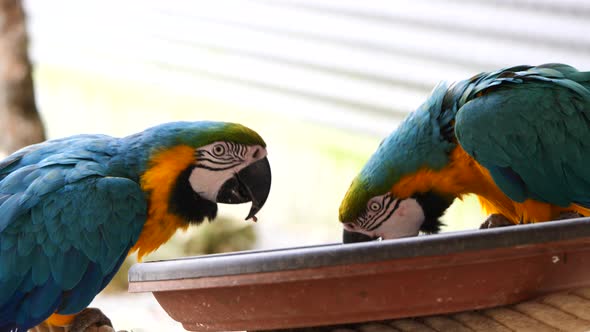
x=353, y=237
x=251, y=184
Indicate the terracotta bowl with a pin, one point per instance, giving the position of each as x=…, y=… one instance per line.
x=336, y=284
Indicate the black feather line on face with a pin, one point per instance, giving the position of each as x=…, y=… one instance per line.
x=382, y=219
x=434, y=206
x=187, y=204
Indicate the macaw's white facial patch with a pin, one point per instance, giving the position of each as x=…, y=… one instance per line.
x=406, y=221
x=389, y=218
x=218, y=162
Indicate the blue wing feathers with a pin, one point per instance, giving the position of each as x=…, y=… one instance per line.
x=66, y=226
x=534, y=122
x=50, y=181
x=6, y=243
x=39, y=267
x=10, y=210
x=26, y=244
x=69, y=268
x=516, y=184
x=9, y=286
x=92, y=240
x=8, y=264
x=79, y=296
x=43, y=301
x=19, y=180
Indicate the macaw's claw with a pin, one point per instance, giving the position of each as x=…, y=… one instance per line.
x=495, y=220
x=569, y=215
x=90, y=320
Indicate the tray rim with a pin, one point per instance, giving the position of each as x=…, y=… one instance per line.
x=328, y=255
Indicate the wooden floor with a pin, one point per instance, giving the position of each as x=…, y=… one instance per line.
x=564, y=311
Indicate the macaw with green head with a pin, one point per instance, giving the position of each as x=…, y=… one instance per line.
x=72, y=209
x=518, y=138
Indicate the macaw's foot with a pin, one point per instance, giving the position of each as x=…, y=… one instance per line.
x=91, y=320
x=569, y=215
x=496, y=220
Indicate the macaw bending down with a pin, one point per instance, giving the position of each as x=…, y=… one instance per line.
x=72, y=209
x=518, y=138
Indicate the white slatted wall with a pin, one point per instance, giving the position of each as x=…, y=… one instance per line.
x=352, y=64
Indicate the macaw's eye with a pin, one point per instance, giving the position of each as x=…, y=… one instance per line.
x=218, y=150
x=375, y=206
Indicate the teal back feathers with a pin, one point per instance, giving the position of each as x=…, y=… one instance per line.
x=530, y=127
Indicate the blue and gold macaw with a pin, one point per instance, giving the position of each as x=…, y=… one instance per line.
x=518, y=138
x=72, y=209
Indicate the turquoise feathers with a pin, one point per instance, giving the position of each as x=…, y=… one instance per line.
x=71, y=209
x=60, y=241
x=542, y=152
x=418, y=142
x=528, y=126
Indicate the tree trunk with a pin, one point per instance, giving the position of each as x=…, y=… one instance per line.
x=20, y=124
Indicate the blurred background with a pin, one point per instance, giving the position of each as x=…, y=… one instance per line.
x=323, y=81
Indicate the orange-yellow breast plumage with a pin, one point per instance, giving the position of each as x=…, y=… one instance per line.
x=463, y=175
x=163, y=171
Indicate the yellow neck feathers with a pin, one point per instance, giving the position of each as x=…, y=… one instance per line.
x=163, y=171
x=463, y=176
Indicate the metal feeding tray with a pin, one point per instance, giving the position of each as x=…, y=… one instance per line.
x=337, y=284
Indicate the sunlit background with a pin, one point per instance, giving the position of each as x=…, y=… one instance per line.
x=321, y=80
